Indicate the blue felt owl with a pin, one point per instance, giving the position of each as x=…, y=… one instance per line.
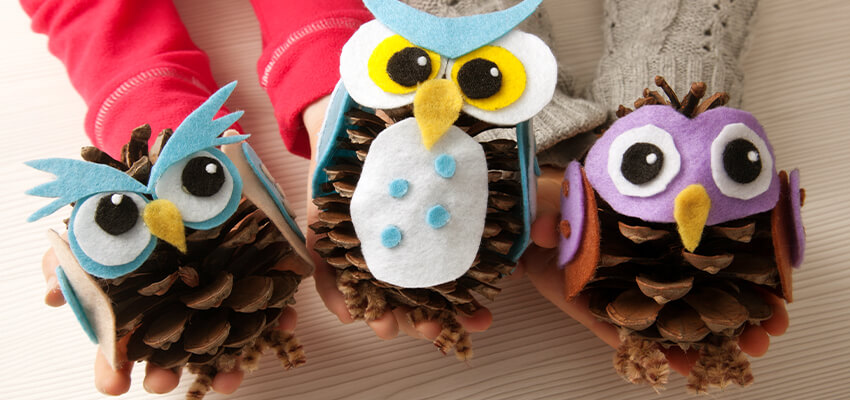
x=190, y=260
x=416, y=211
x=674, y=227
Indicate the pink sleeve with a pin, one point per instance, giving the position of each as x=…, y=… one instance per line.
x=302, y=41
x=132, y=61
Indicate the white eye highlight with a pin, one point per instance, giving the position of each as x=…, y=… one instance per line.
x=201, y=187
x=741, y=164
x=109, y=229
x=643, y=161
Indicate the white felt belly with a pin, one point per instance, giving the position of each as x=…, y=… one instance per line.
x=420, y=214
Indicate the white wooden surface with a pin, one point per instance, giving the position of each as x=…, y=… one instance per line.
x=797, y=84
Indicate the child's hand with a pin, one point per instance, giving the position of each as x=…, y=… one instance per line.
x=157, y=380
x=388, y=325
x=539, y=262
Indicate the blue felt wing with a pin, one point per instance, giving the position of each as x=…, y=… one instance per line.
x=333, y=127
x=528, y=172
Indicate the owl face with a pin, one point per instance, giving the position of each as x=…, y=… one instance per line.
x=117, y=221
x=657, y=165
x=503, y=77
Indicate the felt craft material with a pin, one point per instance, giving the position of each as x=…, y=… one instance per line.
x=796, y=193
x=389, y=256
x=691, y=211
x=530, y=74
x=694, y=279
x=451, y=37
x=164, y=221
x=572, y=212
x=420, y=259
x=738, y=174
x=693, y=142
x=71, y=298
x=200, y=298
x=94, y=310
x=656, y=175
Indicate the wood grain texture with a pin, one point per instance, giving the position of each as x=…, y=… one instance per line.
x=797, y=82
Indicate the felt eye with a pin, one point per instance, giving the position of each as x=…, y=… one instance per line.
x=202, y=188
x=507, y=82
x=108, y=235
x=491, y=78
x=381, y=69
x=643, y=161
x=397, y=66
x=741, y=162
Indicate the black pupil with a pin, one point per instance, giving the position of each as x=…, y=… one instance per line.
x=203, y=176
x=409, y=67
x=480, y=79
x=116, y=219
x=642, y=162
x=742, y=161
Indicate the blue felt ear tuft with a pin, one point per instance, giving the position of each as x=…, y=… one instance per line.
x=199, y=131
x=449, y=37
x=77, y=179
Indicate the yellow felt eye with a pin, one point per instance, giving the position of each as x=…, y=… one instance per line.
x=491, y=78
x=398, y=66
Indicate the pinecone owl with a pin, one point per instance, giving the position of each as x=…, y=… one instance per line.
x=673, y=228
x=184, y=255
x=414, y=211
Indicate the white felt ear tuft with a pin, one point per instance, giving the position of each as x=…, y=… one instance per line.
x=541, y=70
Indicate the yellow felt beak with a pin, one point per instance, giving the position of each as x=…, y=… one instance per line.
x=164, y=221
x=436, y=107
x=691, y=212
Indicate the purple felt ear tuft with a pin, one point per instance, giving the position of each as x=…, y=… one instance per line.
x=572, y=211
x=799, y=248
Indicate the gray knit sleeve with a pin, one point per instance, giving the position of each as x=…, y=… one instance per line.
x=684, y=41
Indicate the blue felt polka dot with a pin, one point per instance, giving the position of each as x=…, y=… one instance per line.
x=399, y=188
x=438, y=217
x=445, y=166
x=391, y=236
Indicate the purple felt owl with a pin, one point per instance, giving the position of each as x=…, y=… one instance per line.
x=675, y=227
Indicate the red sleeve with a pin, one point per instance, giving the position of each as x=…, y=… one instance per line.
x=302, y=41
x=132, y=61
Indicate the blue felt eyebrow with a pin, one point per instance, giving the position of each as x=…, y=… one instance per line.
x=197, y=132
x=449, y=37
x=77, y=179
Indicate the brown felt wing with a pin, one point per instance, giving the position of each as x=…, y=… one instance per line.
x=582, y=268
x=784, y=234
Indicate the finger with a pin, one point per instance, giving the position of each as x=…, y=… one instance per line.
x=544, y=231
x=681, y=361
x=287, y=320
x=109, y=381
x=754, y=341
x=53, y=296
x=325, y=279
x=406, y=324
x=159, y=380
x=479, y=321
x=386, y=326
x=778, y=323
x=228, y=382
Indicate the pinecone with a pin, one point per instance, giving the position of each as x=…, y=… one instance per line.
x=218, y=302
x=368, y=298
x=660, y=294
